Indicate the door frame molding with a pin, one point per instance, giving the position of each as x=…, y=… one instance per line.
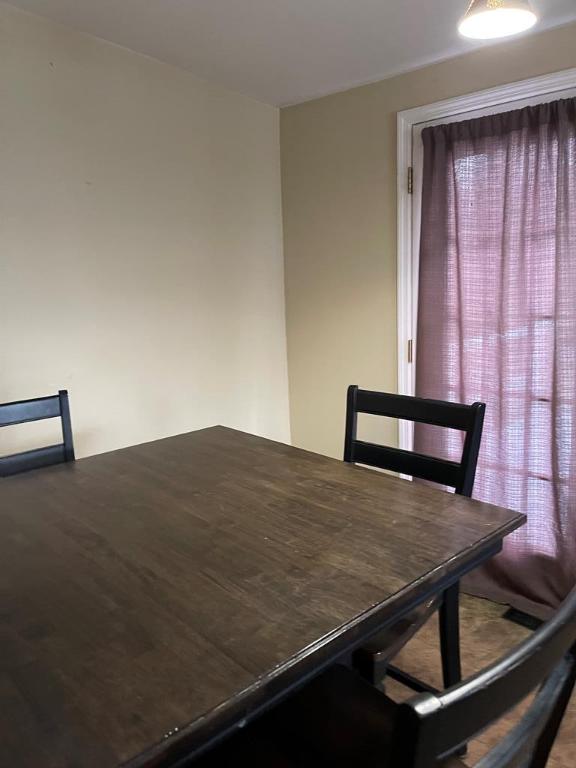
x=406, y=266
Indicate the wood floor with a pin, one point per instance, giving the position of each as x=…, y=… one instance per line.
x=485, y=637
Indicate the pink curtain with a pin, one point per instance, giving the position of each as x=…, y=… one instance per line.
x=497, y=323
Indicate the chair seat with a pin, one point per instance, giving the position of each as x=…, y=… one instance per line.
x=338, y=720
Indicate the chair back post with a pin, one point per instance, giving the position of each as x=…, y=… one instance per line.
x=351, y=422
x=471, y=450
x=67, y=438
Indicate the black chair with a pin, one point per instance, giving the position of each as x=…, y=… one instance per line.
x=41, y=408
x=372, y=661
x=341, y=720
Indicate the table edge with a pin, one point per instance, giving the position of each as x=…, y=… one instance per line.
x=448, y=572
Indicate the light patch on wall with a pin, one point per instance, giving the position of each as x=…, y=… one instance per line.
x=25, y=437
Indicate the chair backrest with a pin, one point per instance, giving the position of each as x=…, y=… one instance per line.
x=431, y=727
x=55, y=406
x=466, y=418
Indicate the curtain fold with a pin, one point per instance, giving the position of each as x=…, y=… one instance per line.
x=497, y=323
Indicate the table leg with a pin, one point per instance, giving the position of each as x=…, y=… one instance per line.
x=449, y=618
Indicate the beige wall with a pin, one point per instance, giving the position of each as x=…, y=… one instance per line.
x=140, y=243
x=339, y=198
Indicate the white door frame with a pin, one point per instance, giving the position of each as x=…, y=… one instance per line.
x=459, y=108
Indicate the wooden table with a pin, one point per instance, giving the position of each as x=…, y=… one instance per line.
x=154, y=597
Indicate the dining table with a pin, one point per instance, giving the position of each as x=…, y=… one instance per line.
x=156, y=598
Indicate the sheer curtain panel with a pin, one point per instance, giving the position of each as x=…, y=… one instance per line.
x=497, y=323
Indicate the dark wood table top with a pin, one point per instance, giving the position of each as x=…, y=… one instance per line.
x=152, y=596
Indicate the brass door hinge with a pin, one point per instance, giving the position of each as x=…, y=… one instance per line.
x=410, y=350
x=410, y=180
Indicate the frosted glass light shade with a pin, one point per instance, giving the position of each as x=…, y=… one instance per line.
x=488, y=19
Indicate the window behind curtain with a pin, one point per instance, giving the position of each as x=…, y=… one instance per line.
x=497, y=323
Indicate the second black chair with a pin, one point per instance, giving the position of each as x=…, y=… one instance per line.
x=372, y=661
x=23, y=411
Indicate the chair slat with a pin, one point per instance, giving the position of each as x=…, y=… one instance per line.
x=407, y=462
x=29, y=410
x=39, y=457
x=424, y=411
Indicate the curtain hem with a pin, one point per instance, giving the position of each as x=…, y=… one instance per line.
x=504, y=596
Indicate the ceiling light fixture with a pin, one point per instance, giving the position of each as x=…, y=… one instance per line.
x=487, y=19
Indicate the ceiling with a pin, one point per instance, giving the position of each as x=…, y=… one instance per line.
x=283, y=51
